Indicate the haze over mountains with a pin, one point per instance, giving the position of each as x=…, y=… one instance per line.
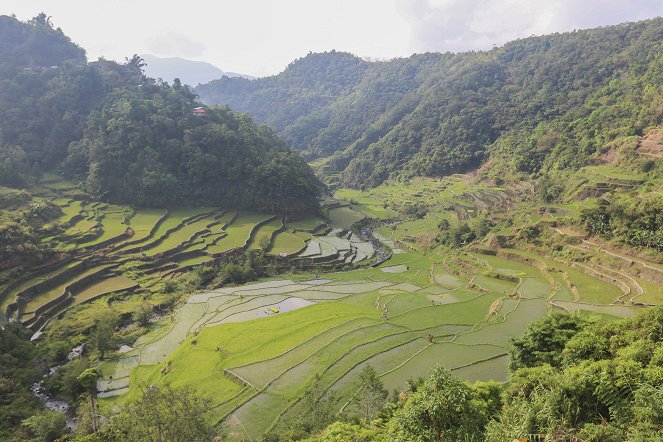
x=190, y=72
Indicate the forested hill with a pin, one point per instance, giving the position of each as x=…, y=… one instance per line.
x=306, y=86
x=126, y=138
x=536, y=104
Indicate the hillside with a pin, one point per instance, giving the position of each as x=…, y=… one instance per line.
x=172, y=271
x=550, y=102
x=123, y=137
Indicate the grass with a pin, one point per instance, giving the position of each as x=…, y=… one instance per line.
x=246, y=342
x=49, y=295
x=447, y=354
x=112, y=220
x=617, y=172
x=463, y=313
x=289, y=242
x=143, y=221
x=590, y=289
x=182, y=234
x=174, y=219
x=309, y=223
x=280, y=354
x=113, y=284
x=230, y=329
x=264, y=233
x=344, y=217
x=238, y=232
x=195, y=260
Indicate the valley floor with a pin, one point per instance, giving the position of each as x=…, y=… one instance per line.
x=254, y=349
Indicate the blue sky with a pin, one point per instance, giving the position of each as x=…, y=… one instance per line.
x=260, y=37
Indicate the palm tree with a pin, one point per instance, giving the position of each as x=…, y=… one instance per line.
x=136, y=61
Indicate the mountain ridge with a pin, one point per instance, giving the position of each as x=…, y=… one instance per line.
x=435, y=114
x=191, y=72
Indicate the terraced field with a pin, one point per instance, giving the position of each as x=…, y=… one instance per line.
x=394, y=317
x=103, y=246
x=255, y=348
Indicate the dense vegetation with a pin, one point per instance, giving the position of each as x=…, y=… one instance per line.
x=16, y=377
x=164, y=349
x=571, y=379
x=639, y=222
x=128, y=139
x=536, y=104
x=156, y=153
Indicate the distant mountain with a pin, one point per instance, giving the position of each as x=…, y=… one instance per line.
x=190, y=72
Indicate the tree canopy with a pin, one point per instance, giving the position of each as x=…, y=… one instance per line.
x=533, y=105
x=127, y=138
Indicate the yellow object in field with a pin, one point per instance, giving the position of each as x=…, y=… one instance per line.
x=274, y=310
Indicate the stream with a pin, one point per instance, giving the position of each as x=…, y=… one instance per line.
x=51, y=402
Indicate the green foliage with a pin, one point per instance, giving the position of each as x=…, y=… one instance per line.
x=88, y=379
x=46, y=426
x=549, y=189
x=536, y=104
x=143, y=314
x=544, y=340
x=636, y=221
x=16, y=377
x=65, y=383
x=607, y=384
x=299, y=95
x=464, y=232
x=370, y=395
x=128, y=139
x=441, y=410
x=103, y=334
x=19, y=244
x=156, y=153
x=163, y=414
x=316, y=411
x=344, y=432
x=488, y=397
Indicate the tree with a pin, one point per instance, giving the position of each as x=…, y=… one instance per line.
x=441, y=410
x=370, y=395
x=136, y=61
x=103, y=333
x=548, y=189
x=544, y=340
x=17, y=375
x=46, y=426
x=315, y=410
x=164, y=414
x=342, y=432
x=143, y=314
x=88, y=380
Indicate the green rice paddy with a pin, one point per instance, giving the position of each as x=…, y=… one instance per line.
x=289, y=242
x=254, y=349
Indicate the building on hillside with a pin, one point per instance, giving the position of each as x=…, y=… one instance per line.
x=199, y=112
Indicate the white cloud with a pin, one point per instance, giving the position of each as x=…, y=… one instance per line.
x=173, y=44
x=261, y=37
x=458, y=25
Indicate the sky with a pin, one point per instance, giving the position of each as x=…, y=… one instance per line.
x=260, y=37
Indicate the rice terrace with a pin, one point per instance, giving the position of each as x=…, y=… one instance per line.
x=443, y=247
x=377, y=301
